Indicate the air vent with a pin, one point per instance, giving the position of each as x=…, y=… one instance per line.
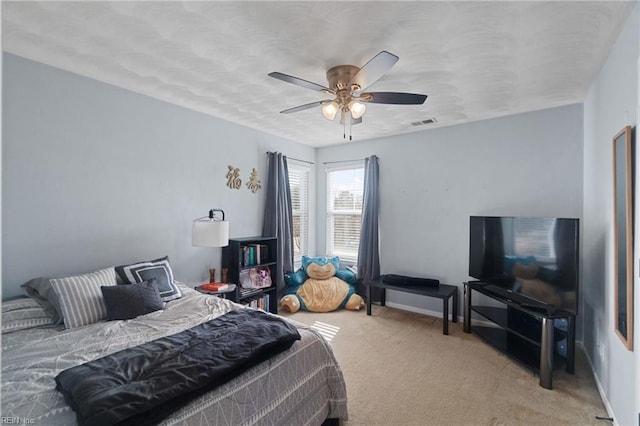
x=423, y=122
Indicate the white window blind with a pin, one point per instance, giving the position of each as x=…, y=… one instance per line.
x=345, y=186
x=535, y=236
x=299, y=186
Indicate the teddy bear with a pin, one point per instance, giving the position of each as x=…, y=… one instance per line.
x=320, y=286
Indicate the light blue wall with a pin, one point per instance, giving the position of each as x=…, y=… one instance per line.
x=94, y=175
x=432, y=181
x=612, y=103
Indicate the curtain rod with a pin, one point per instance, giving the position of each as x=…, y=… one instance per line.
x=344, y=161
x=296, y=159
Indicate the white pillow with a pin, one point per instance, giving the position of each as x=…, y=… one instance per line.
x=80, y=297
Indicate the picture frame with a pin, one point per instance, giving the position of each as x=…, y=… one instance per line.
x=623, y=178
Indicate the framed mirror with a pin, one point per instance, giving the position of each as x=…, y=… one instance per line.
x=623, y=235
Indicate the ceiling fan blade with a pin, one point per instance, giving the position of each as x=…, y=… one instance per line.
x=299, y=82
x=302, y=107
x=374, y=69
x=394, y=98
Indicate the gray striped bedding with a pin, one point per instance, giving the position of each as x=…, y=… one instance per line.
x=301, y=386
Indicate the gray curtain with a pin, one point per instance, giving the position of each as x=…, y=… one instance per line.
x=278, y=217
x=368, y=251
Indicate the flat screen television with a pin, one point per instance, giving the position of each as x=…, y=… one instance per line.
x=535, y=257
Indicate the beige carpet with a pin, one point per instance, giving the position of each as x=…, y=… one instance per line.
x=401, y=370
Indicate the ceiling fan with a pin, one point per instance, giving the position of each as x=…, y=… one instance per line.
x=347, y=84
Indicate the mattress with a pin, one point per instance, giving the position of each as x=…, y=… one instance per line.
x=301, y=386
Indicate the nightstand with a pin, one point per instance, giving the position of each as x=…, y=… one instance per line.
x=227, y=293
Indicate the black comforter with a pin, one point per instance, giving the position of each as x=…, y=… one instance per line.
x=143, y=384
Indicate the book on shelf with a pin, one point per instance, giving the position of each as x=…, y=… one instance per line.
x=214, y=286
x=264, y=253
x=250, y=255
x=259, y=302
x=254, y=254
x=246, y=259
x=255, y=250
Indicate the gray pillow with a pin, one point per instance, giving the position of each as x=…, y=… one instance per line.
x=81, y=300
x=160, y=269
x=128, y=301
x=40, y=290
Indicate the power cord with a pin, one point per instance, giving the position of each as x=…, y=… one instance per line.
x=608, y=419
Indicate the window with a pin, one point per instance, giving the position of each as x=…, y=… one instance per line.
x=299, y=186
x=535, y=236
x=345, y=186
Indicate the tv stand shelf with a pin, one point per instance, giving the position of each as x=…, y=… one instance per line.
x=524, y=334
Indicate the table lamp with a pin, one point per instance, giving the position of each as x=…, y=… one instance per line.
x=210, y=231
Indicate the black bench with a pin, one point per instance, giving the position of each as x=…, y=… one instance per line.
x=442, y=291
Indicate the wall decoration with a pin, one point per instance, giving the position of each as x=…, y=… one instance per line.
x=233, y=178
x=254, y=184
x=623, y=235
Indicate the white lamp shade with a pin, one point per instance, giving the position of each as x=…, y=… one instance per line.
x=357, y=109
x=330, y=109
x=210, y=233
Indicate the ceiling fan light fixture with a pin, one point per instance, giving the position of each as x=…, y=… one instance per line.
x=330, y=109
x=357, y=109
x=347, y=83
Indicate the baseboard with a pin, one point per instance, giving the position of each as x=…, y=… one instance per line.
x=429, y=312
x=579, y=346
x=437, y=314
x=603, y=395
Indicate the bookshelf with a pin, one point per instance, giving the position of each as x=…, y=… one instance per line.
x=244, y=254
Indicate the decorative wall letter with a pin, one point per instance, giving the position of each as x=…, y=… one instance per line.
x=233, y=178
x=254, y=183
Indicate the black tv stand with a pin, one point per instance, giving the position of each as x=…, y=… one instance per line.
x=517, y=298
x=526, y=330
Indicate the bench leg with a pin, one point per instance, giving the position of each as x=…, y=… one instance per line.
x=466, y=324
x=445, y=315
x=454, y=306
x=368, y=300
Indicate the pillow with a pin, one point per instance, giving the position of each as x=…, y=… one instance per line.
x=160, y=269
x=18, y=304
x=23, y=313
x=80, y=297
x=40, y=290
x=131, y=300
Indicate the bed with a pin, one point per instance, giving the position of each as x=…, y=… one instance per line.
x=300, y=386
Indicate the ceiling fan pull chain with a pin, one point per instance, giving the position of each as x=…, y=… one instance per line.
x=350, y=138
x=344, y=124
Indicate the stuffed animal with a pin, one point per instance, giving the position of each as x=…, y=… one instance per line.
x=318, y=286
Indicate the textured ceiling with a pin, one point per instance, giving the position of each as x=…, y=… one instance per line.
x=475, y=60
